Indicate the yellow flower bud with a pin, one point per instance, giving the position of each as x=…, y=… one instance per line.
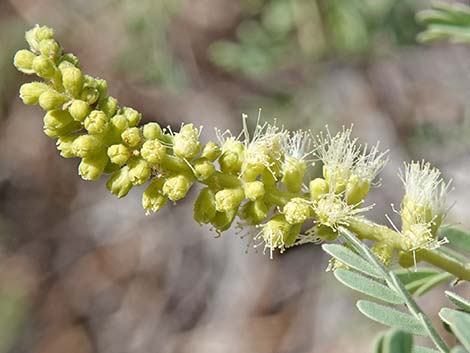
x=119, y=183
x=131, y=137
x=228, y=200
x=57, y=119
x=153, y=199
x=101, y=86
x=62, y=131
x=23, y=61
x=318, y=187
x=50, y=49
x=152, y=131
x=153, y=151
x=297, y=211
x=72, y=79
x=109, y=106
x=35, y=35
x=211, y=151
x=69, y=58
x=254, y=190
x=89, y=94
x=96, y=122
x=44, y=67
x=51, y=100
x=230, y=162
x=64, y=145
x=139, y=171
x=293, y=172
x=254, y=211
x=92, y=167
x=176, y=187
x=203, y=168
x=79, y=109
x=119, y=123
x=132, y=116
x=356, y=190
x=119, y=154
x=30, y=92
x=204, y=207
x=186, y=143
x=86, y=146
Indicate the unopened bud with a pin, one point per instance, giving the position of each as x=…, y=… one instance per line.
x=132, y=116
x=152, y=131
x=119, y=154
x=23, y=61
x=50, y=49
x=153, y=199
x=293, y=172
x=131, y=137
x=79, y=110
x=186, y=142
x=223, y=220
x=51, y=100
x=119, y=183
x=64, y=145
x=38, y=33
x=69, y=58
x=153, y=151
x=92, y=167
x=204, y=207
x=318, y=187
x=176, y=187
x=297, y=211
x=44, y=67
x=211, y=151
x=228, y=200
x=30, y=92
x=86, y=146
x=96, y=122
x=254, y=190
x=119, y=123
x=203, y=168
x=72, y=80
x=109, y=106
x=139, y=171
x=356, y=190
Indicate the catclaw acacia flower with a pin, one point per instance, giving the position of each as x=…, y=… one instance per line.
x=186, y=142
x=277, y=233
x=297, y=155
x=297, y=210
x=424, y=204
x=367, y=166
x=23, y=61
x=338, y=154
x=153, y=199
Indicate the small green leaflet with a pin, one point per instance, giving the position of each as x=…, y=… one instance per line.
x=397, y=341
x=434, y=281
x=458, y=238
x=408, y=276
x=367, y=286
x=459, y=322
x=391, y=317
x=462, y=303
x=419, y=349
x=351, y=259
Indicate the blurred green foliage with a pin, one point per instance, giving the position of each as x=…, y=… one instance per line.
x=275, y=34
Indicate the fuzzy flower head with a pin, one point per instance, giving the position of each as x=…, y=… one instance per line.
x=425, y=202
x=348, y=166
x=298, y=154
x=332, y=211
x=338, y=154
x=263, y=149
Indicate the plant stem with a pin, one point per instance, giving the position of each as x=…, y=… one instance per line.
x=368, y=230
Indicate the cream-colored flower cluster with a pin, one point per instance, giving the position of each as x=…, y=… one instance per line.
x=261, y=178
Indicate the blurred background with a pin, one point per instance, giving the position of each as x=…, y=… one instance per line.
x=82, y=272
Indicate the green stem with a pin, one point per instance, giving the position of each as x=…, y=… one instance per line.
x=368, y=230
